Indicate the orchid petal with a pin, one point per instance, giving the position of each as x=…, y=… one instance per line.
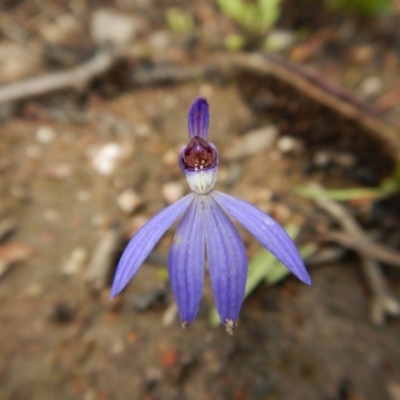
x=267, y=231
x=198, y=119
x=227, y=262
x=144, y=241
x=186, y=262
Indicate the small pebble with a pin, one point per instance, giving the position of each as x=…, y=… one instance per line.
x=142, y=130
x=321, y=159
x=33, y=152
x=362, y=54
x=279, y=40
x=118, y=347
x=20, y=192
x=152, y=376
x=60, y=28
x=160, y=40
x=206, y=90
x=51, y=215
x=252, y=143
x=172, y=192
x=83, y=195
x=105, y=159
x=103, y=259
x=129, y=201
x=35, y=290
x=100, y=221
x=345, y=160
x=90, y=395
x=120, y=182
x=371, y=86
x=170, y=314
x=76, y=261
x=45, y=134
x=108, y=26
x=170, y=158
x=287, y=144
x=59, y=171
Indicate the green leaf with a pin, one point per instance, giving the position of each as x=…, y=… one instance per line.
x=178, y=20
x=234, y=42
x=232, y=8
x=387, y=188
x=269, y=10
x=366, y=7
x=257, y=18
x=213, y=318
x=259, y=267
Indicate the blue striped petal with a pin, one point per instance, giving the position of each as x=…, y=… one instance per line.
x=186, y=262
x=198, y=119
x=227, y=262
x=267, y=231
x=144, y=241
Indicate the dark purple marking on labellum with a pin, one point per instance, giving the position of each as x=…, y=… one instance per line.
x=198, y=155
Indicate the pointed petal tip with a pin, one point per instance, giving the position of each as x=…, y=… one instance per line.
x=267, y=231
x=114, y=292
x=300, y=271
x=306, y=279
x=230, y=326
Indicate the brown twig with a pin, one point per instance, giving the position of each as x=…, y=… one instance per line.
x=383, y=302
x=303, y=79
x=353, y=237
x=7, y=226
x=310, y=83
x=76, y=77
x=366, y=247
x=103, y=260
x=321, y=90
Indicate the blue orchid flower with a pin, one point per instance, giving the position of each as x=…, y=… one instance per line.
x=206, y=232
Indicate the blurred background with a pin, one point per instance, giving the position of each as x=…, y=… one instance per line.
x=305, y=111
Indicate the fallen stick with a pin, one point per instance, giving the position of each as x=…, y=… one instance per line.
x=76, y=78
x=383, y=302
x=354, y=237
x=7, y=227
x=307, y=82
x=321, y=90
x=103, y=260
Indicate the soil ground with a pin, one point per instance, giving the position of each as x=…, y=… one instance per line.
x=61, y=340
